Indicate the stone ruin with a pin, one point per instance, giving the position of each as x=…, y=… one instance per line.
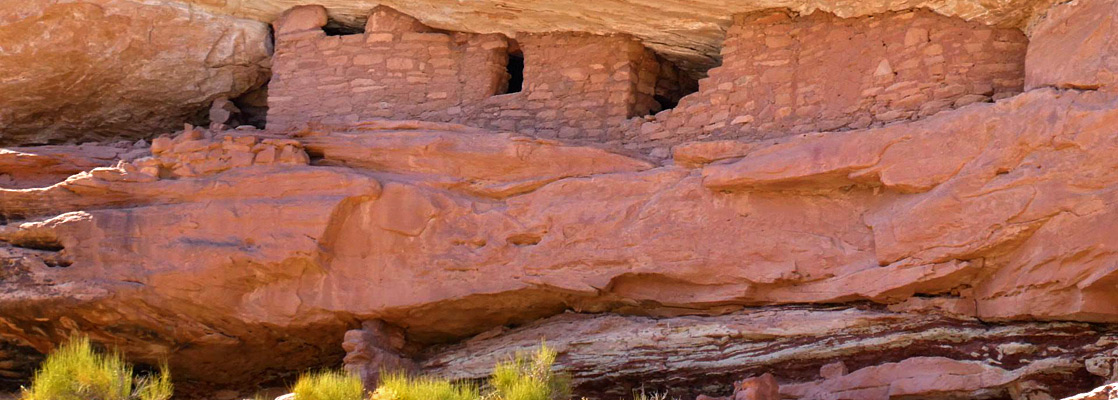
x=575, y=85
x=781, y=74
x=883, y=205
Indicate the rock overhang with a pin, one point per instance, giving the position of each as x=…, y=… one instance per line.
x=687, y=32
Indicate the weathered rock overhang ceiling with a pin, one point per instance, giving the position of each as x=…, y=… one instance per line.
x=688, y=32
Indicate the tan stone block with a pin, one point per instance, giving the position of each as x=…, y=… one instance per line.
x=576, y=74
x=379, y=37
x=915, y=36
x=425, y=37
x=778, y=41
x=265, y=156
x=398, y=63
x=368, y=59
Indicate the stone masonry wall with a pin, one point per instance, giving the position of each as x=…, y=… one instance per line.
x=577, y=86
x=783, y=74
x=395, y=70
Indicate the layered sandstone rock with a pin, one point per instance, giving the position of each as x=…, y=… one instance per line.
x=41, y=166
x=1075, y=45
x=445, y=232
x=75, y=71
x=814, y=353
x=966, y=252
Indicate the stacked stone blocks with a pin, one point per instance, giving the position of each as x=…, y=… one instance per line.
x=784, y=74
x=781, y=74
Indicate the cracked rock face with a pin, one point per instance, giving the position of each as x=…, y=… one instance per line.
x=76, y=71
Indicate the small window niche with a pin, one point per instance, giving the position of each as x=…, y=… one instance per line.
x=514, y=69
x=338, y=28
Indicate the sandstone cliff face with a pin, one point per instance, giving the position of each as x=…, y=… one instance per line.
x=968, y=254
x=1092, y=63
x=87, y=70
x=446, y=234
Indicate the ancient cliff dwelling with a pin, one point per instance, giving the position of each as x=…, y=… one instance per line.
x=680, y=199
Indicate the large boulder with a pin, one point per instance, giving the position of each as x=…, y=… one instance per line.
x=1075, y=46
x=83, y=70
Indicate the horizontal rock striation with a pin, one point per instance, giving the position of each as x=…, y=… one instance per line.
x=814, y=353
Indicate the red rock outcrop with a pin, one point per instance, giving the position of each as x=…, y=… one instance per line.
x=404, y=226
x=967, y=254
x=808, y=350
x=89, y=70
x=1075, y=45
x=41, y=166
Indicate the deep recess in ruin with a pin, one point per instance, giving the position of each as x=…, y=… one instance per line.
x=712, y=200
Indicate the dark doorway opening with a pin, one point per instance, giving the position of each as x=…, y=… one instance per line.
x=666, y=103
x=515, y=68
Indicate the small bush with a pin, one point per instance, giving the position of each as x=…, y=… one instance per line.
x=524, y=377
x=76, y=372
x=397, y=386
x=329, y=385
x=529, y=378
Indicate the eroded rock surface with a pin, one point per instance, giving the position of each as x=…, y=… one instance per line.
x=814, y=353
x=967, y=254
x=74, y=71
x=1075, y=46
x=445, y=231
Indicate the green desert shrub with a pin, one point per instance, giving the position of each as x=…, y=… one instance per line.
x=397, y=386
x=524, y=377
x=529, y=377
x=329, y=385
x=75, y=371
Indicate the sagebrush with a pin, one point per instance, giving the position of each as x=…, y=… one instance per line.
x=329, y=385
x=523, y=377
x=76, y=371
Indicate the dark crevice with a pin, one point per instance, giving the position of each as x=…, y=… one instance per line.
x=665, y=102
x=335, y=28
x=253, y=107
x=672, y=85
x=38, y=243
